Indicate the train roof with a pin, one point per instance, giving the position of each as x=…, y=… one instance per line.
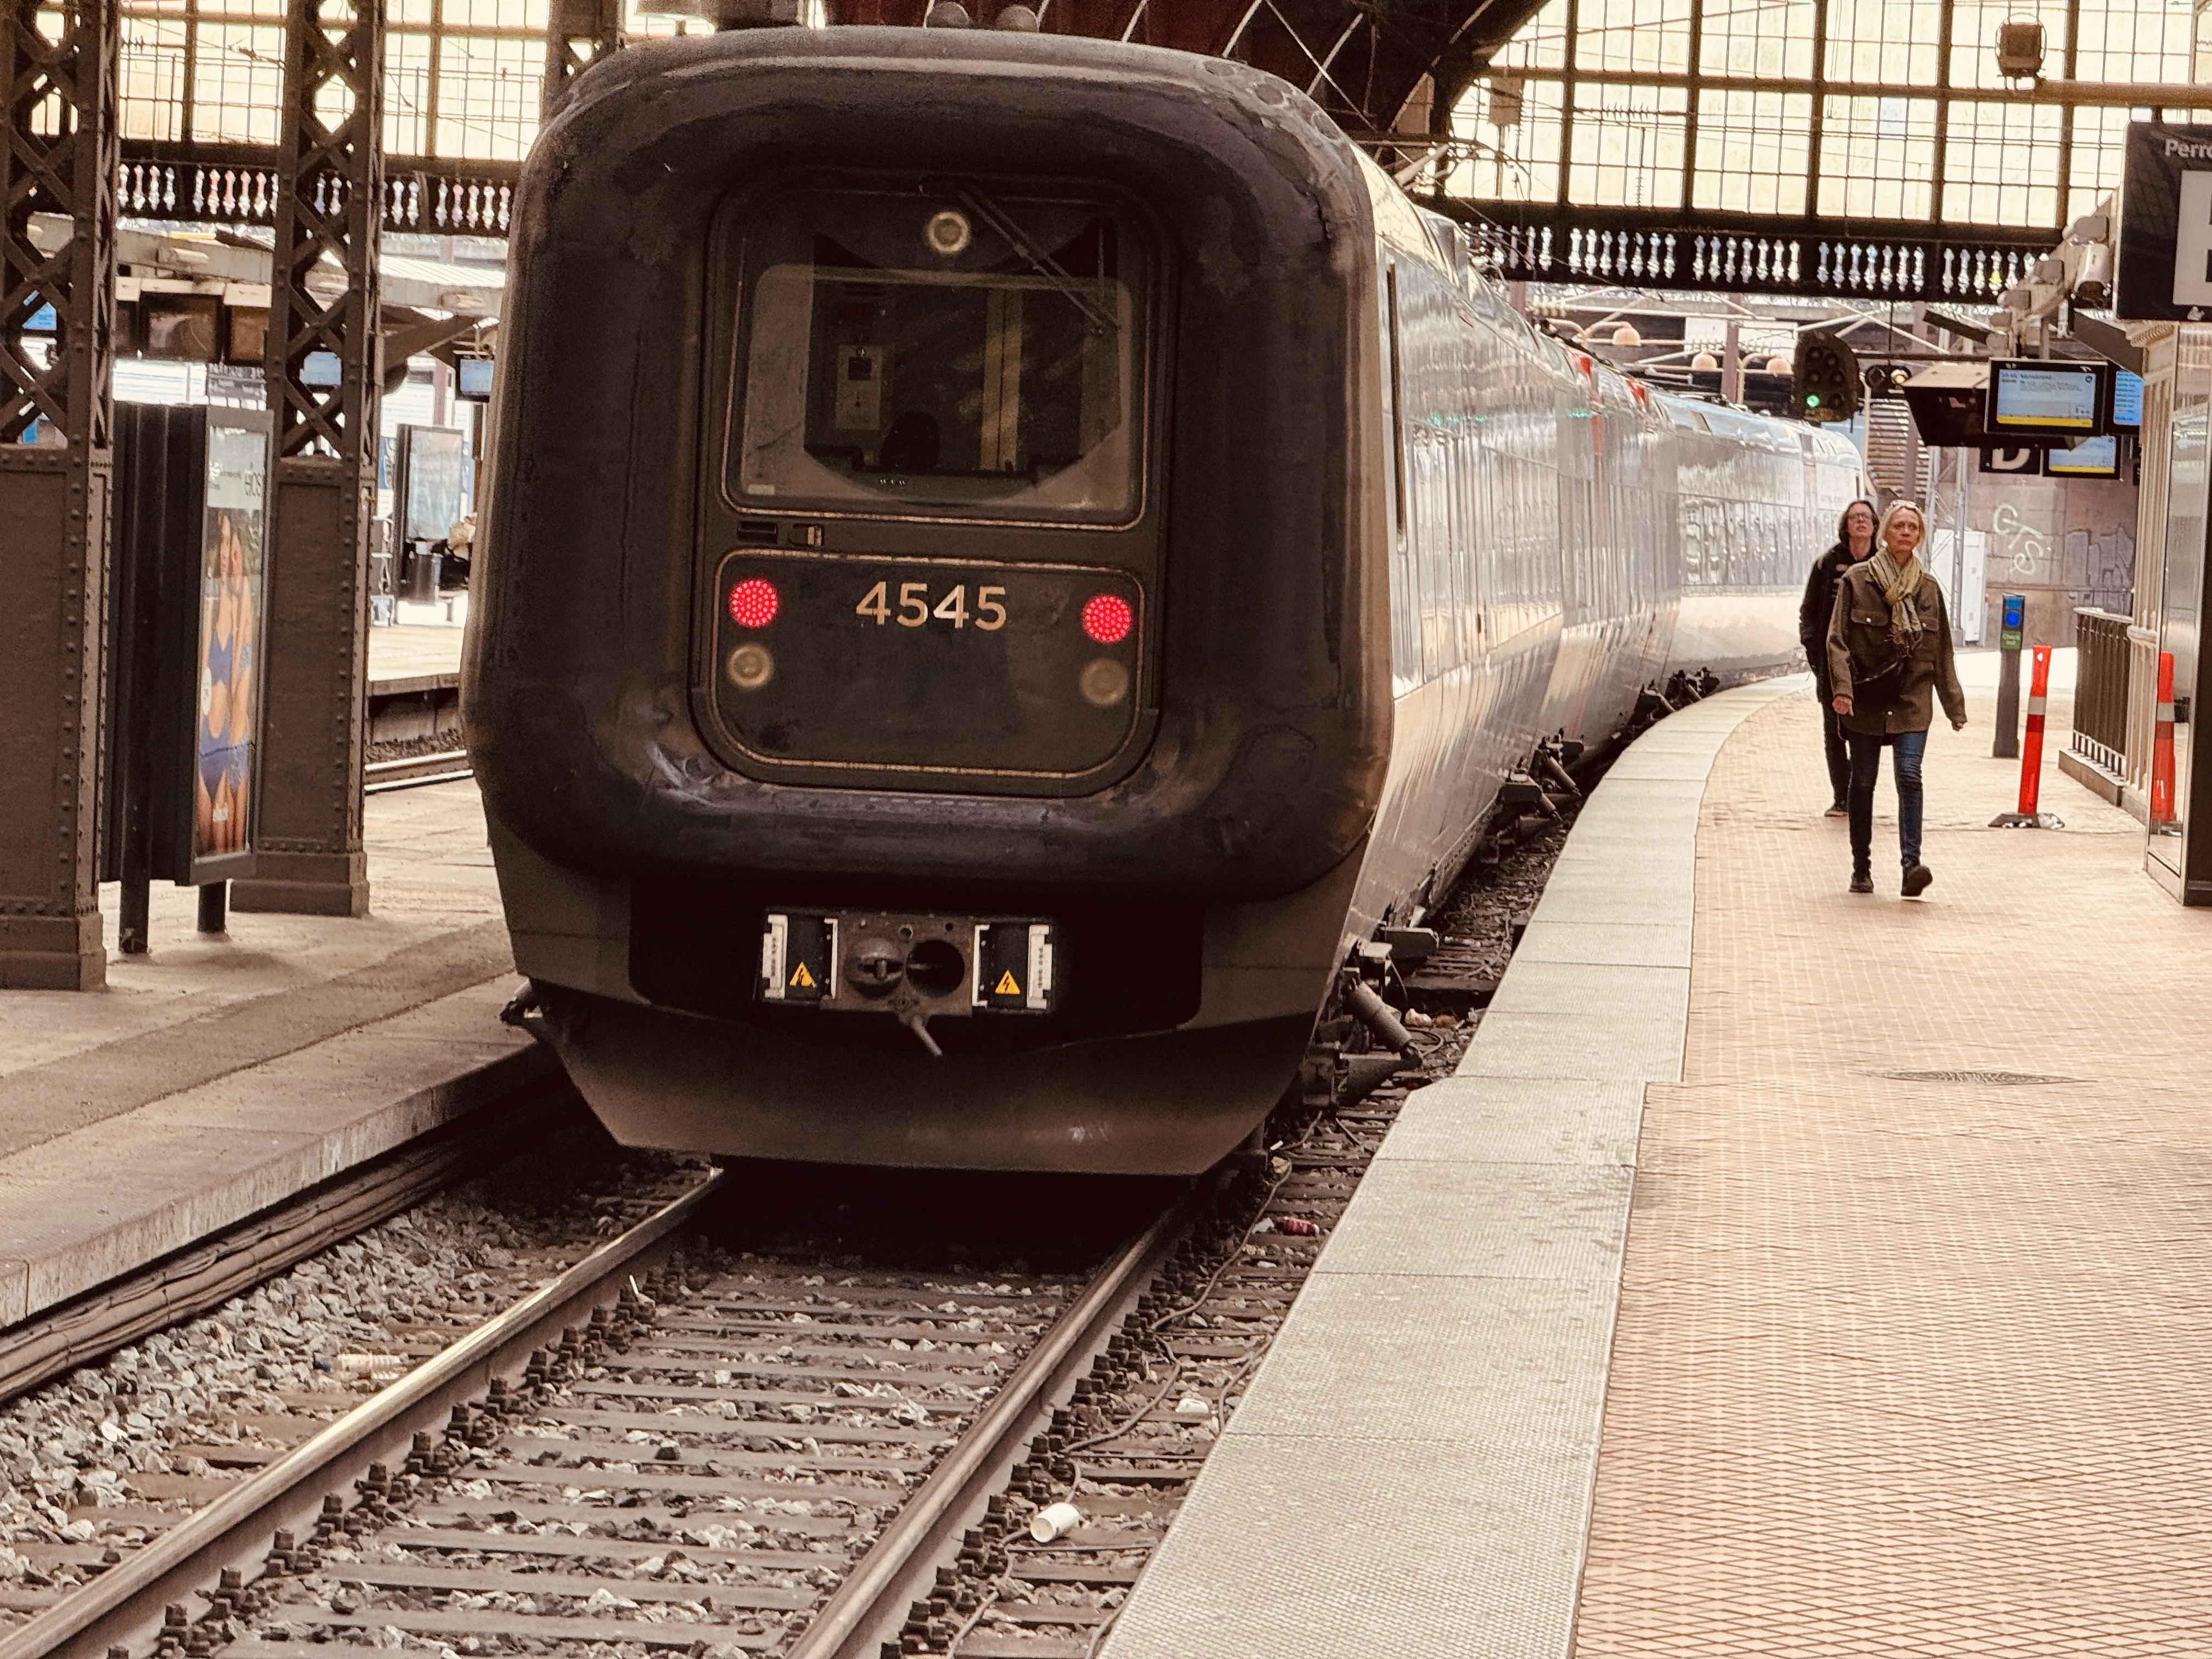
x=1767, y=431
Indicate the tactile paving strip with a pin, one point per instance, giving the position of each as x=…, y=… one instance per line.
x=1917, y=1366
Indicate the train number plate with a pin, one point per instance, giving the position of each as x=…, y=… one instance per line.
x=904, y=964
x=912, y=667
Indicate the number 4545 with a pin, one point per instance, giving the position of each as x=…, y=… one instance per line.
x=914, y=609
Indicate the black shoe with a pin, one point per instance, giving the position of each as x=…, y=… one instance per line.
x=1837, y=810
x=1917, y=879
x=1861, y=881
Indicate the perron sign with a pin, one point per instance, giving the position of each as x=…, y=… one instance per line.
x=2165, y=247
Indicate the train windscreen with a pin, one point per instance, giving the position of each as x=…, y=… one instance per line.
x=950, y=353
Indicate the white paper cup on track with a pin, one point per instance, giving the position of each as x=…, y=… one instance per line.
x=1054, y=1520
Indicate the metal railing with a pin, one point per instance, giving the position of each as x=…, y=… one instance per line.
x=1810, y=257
x=2101, y=688
x=236, y=185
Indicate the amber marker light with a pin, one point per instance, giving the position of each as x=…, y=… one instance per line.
x=1108, y=619
x=753, y=603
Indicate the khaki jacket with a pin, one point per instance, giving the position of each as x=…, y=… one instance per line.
x=1859, y=648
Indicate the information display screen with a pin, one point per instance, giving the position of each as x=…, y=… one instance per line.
x=2034, y=398
x=2092, y=458
x=2127, y=401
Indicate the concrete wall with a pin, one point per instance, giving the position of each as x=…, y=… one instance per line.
x=2062, y=542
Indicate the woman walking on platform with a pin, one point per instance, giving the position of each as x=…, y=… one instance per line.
x=1854, y=545
x=1889, y=658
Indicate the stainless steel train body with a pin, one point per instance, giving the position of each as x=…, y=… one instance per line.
x=986, y=493
x=1756, y=495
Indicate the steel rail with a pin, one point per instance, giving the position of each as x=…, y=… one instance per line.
x=206, y=1275
x=868, y=1608
x=123, y=1606
x=448, y=766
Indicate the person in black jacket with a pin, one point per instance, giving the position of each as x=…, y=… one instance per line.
x=1854, y=542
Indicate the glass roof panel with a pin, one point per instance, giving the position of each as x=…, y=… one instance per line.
x=462, y=78
x=1883, y=110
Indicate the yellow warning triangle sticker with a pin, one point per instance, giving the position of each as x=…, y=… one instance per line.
x=802, y=978
x=1005, y=987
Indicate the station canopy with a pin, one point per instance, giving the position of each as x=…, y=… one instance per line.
x=462, y=77
x=1598, y=137
x=1864, y=110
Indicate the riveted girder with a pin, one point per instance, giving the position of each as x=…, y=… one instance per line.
x=58, y=161
x=323, y=374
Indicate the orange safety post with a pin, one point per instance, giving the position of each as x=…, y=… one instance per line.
x=2031, y=755
x=2161, y=745
x=2031, y=748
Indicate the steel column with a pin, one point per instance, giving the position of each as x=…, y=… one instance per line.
x=324, y=382
x=57, y=164
x=579, y=33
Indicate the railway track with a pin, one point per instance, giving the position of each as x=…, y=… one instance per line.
x=414, y=771
x=793, y=1451
x=1046, y=1574
x=671, y=1447
x=237, y=1258
x=664, y=1448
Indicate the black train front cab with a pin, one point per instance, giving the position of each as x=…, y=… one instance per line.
x=929, y=534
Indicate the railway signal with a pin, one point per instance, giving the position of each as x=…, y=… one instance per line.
x=1824, y=385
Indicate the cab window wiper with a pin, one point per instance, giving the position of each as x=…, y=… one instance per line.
x=977, y=202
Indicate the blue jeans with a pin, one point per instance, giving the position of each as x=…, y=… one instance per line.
x=1866, y=769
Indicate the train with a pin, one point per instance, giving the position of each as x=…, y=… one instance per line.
x=1014, y=567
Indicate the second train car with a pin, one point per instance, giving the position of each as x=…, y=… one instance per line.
x=1008, y=559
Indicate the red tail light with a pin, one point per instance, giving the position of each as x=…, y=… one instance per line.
x=1108, y=619
x=753, y=602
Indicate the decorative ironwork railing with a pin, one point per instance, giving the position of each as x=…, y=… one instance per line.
x=237, y=186
x=1823, y=259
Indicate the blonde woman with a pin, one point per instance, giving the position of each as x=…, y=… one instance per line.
x=1889, y=659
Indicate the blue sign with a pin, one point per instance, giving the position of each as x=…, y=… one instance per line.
x=2127, y=399
x=43, y=321
x=2016, y=609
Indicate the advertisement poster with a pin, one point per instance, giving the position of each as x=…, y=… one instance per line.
x=232, y=582
x=435, y=472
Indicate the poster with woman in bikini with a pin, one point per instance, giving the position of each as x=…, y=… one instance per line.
x=231, y=606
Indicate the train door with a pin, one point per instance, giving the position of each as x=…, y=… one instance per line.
x=1428, y=334
x=2180, y=848
x=1405, y=576
x=1479, y=348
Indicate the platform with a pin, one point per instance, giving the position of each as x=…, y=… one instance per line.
x=411, y=656
x=216, y=1076
x=1785, y=1272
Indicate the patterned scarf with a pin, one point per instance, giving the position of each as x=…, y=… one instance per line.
x=1900, y=586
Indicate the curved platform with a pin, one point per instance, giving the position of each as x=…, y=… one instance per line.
x=1784, y=1272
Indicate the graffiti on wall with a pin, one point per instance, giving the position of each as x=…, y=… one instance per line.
x=2062, y=543
x=2020, y=548
x=2100, y=562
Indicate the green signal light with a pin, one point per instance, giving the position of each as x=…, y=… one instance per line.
x=1812, y=400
